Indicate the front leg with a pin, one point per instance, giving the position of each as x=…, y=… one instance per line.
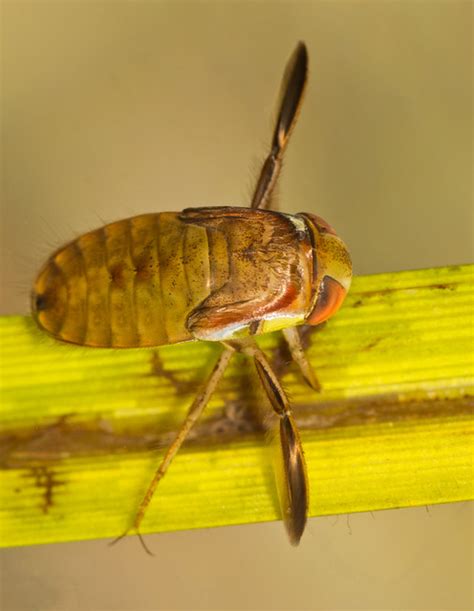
x=293, y=339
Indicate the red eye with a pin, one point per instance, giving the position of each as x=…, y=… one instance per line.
x=330, y=296
x=323, y=225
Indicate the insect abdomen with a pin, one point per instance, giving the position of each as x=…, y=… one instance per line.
x=128, y=284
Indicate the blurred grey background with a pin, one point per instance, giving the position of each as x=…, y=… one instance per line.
x=111, y=109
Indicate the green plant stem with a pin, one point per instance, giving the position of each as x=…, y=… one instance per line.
x=82, y=430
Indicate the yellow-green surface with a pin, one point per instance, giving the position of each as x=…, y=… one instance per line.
x=392, y=426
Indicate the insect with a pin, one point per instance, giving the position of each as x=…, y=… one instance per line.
x=222, y=274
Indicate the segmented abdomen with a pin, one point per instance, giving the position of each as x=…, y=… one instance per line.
x=129, y=284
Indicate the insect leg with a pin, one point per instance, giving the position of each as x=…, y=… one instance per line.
x=291, y=96
x=291, y=470
x=194, y=412
x=293, y=339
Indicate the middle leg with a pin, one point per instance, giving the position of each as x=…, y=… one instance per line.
x=194, y=412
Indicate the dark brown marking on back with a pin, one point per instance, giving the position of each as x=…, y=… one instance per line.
x=116, y=273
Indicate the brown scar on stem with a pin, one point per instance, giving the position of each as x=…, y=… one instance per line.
x=396, y=289
x=373, y=343
x=38, y=447
x=381, y=409
x=45, y=479
x=238, y=418
x=157, y=369
x=65, y=438
x=444, y=286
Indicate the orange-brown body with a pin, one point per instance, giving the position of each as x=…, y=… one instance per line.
x=219, y=274
x=205, y=273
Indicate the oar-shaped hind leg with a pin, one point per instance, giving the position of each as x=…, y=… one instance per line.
x=291, y=472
